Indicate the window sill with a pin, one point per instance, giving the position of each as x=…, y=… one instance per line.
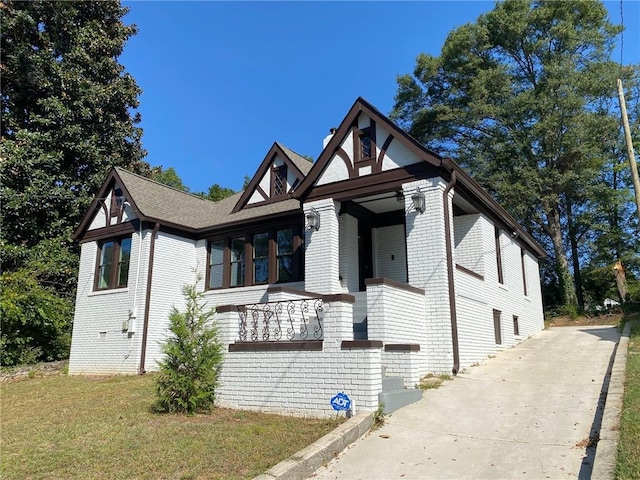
x=108, y=291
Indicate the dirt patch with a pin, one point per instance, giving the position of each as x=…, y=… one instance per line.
x=37, y=370
x=585, y=321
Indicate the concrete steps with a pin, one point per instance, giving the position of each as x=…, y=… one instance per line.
x=395, y=396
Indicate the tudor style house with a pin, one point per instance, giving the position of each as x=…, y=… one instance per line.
x=380, y=260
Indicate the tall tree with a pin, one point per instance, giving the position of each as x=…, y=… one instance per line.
x=168, y=177
x=522, y=97
x=68, y=115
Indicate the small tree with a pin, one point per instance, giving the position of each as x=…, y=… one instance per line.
x=190, y=371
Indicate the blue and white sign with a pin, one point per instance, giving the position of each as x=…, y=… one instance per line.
x=341, y=402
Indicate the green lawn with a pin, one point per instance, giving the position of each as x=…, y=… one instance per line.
x=628, y=462
x=104, y=428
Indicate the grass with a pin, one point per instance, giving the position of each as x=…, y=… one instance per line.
x=60, y=427
x=430, y=381
x=628, y=461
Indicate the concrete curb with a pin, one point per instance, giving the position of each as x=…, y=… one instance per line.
x=302, y=464
x=604, y=463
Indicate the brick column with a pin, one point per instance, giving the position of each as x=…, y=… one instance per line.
x=427, y=267
x=322, y=255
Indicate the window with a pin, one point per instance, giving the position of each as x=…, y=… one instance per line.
x=237, y=262
x=272, y=256
x=261, y=258
x=497, y=327
x=216, y=264
x=516, y=326
x=524, y=272
x=284, y=244
x=113, y=264
x=499, y=255
x=365, y=149
x=279, y=181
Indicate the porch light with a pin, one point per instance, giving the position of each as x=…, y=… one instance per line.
x=418, y=201
x=313, y=219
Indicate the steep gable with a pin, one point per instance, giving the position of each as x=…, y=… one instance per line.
x=365, y=143
x=277, y=177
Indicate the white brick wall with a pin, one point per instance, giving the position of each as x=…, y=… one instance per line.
x=322, y=256
x=99, y=344
x=390, y=253
x=476, y=299
x=427, y=261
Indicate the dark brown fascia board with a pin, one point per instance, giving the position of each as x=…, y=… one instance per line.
x=489, y=204
x=361, y=106
x=119, y=229
x=382, y=182
x=262, y=169
x=110, y=181
x=263, y=219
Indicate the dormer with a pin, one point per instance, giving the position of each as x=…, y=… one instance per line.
x=277, y=177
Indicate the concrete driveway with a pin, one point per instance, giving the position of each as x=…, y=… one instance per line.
x=527, y=413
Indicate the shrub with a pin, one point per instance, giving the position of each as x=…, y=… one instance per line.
x=193, y=359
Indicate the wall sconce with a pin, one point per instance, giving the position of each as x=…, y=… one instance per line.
x=418, y=201
x=313, y=219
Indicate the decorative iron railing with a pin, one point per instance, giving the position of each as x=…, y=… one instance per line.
x=288, y=320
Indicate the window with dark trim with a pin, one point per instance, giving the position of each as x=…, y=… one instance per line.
x=516, y=326
x=497, y=326
x=524, y=272
x=279, y=181
x=257, y=258
x=365, y=149
x=216, y=264
x=112, y=265
x=237, y=262
x=499, y=256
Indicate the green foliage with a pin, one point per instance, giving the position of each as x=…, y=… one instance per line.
x=216, y=192
x=193, y=359
x=36, y=323
x=168, y=177
x=68, y=116
x=525, y=98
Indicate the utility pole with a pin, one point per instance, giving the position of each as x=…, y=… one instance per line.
x=630, y=153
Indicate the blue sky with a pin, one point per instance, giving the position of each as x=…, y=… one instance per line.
x=222, y=81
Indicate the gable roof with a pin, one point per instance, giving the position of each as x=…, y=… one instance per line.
x=155, y=202
x=297, y=164
x=348, y=123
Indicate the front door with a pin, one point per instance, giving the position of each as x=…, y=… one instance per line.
x=365, y=254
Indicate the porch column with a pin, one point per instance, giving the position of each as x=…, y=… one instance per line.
x=322, y=249
x=427, y=266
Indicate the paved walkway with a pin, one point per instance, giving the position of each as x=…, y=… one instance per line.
x=527, y=413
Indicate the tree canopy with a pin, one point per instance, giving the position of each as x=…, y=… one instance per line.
x=68, y=116
x=525, y=99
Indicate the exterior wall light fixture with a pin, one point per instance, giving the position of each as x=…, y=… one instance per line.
x=313, y=219
x=418, y=201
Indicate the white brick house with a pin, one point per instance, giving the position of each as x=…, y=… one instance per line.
x=381, y=258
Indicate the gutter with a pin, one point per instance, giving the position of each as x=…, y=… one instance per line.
x=450, y=268
x=147, y=302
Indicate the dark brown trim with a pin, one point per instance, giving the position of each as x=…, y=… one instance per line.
x=450, y=278
x=402, y=347
x=387, y=181
x=117, y=230
x=345, y=158
x=499, y=254
x=394, y=284
x=388, y=219
x=230, y=308
x=348, y=344
x=306, y=345
x=469, y=272
x=339, y=297
x=147, y=301
x=524, y=272
x=115, y=263
x=497, y=326
x=264, y=167
x=106, y=213
x=361, y=106
x=278, y=171
x=382, y=153
x=261, y=192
